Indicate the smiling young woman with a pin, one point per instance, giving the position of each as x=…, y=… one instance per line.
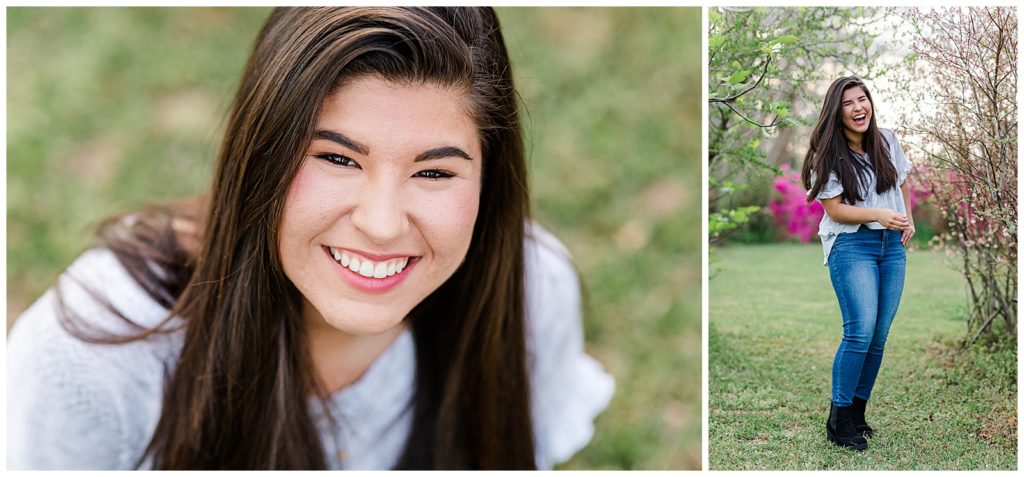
x=361, y=288
x=390, y=185
x=858, y=172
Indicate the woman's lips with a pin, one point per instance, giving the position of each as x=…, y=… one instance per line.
x=370, y=275
x=368, y=267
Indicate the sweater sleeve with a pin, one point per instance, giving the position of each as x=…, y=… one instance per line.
x=61, y=413
x=77, y=405
x=568, y=387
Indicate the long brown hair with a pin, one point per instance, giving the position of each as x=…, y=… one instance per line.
x=237, y=398
x=829, y=151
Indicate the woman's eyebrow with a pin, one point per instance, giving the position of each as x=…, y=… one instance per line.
x=335, y=136
x=442, y=152
x=435, y=153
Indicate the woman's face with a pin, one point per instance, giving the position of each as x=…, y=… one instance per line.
x=381, y=211
x=856, y=110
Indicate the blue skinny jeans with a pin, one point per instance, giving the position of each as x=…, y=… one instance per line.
x=867, y=268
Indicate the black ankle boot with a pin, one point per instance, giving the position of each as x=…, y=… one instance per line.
x=841, y=431
x=858, y=417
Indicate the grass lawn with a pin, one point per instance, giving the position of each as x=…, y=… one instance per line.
x=774, y=328
x=110, y=109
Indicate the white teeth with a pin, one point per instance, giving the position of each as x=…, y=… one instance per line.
x=366, y=269
x=369, y=268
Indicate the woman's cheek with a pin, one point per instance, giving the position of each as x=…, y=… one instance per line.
x=448, y=216
x=319, y=197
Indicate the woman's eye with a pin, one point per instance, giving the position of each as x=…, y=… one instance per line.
x=434, y=174
x=339, y=160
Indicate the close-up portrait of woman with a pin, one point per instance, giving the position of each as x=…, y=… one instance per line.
x=352, y=238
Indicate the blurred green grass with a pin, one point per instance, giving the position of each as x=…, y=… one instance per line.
x=127, y=108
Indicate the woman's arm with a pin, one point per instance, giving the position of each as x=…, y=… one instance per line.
x=908, y=232
x=848, y=214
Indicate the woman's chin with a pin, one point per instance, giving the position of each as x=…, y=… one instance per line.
x=352, y=316
x=364, y=327
x=856, y=128
x=363, y=321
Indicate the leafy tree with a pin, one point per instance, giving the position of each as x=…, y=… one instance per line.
x=964, y=79
x=761, y=64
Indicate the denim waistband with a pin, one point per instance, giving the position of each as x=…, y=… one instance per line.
x=883, y=232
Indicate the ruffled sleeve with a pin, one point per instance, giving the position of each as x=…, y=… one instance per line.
x=903, y=165
x=568, y=387
x=831, y=188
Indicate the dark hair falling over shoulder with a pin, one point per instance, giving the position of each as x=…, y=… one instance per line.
x=237, y=398
x=829, y=151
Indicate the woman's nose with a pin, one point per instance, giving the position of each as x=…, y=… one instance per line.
x=379, y=213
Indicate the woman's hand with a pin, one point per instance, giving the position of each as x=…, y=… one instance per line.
x=908, y=233
x=892, y=220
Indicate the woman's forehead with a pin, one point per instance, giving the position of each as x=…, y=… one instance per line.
x=854, y=91
x=384, y=115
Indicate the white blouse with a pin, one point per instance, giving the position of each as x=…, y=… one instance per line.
x=75, y=405
x=829, y=229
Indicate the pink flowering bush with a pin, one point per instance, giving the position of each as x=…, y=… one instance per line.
x=919, y=193
x=793, y=216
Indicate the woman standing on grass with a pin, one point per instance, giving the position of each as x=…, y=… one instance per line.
x=858, y=172
x=362, y=287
